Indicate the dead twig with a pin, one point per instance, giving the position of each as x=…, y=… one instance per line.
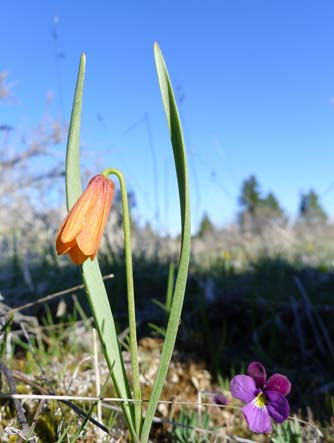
x=23, y=378
x=26, y=431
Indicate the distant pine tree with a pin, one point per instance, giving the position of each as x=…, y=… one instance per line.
x=257, y=211
x=271, y=209
x=271, y=202
x=310, y=209
x=250, y=197
x=205, y=226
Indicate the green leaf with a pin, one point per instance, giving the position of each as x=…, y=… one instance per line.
x=170, y=286
x=91, y=273
x=176, y=136
x=72, y=173
x=105, y=324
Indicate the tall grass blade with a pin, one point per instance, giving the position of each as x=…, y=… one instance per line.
x=90, y=412
x=170, y=286
x=64, y=434
x=181, y=279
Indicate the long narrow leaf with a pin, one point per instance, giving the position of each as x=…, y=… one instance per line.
x=91, y=273
x=176, y=136
x=72, y=171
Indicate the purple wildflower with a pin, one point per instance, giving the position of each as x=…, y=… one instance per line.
x=221, y=399
x=264, y=398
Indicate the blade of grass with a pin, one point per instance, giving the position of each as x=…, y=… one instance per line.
x=170, y=286
x=90, y=270
x=181, y=279
x=64, y=434
x=90, y=412
x=156, y=328
x=4, y=331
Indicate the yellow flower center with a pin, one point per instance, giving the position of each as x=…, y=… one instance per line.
x=260, y=400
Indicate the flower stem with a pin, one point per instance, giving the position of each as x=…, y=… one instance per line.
x=131, y=298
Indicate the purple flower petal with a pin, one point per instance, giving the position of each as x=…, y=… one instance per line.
x=279, y=383
x=256, y=370
x=257, y=418
x=278, y=406
x=220, y=399
x=243, y=387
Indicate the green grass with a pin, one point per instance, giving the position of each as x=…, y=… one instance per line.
x=274, y=308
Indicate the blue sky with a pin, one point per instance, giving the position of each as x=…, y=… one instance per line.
x=254, y=81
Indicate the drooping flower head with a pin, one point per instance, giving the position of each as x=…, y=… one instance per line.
x=80, y=234
x=265, y=398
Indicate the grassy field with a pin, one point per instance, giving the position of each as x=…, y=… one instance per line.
x=266, y=297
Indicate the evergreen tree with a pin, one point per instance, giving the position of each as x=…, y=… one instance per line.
x=205, y=226
x=310, y=208
x=257, y=210
x=271, y=202
x=272, y=208
x=250, y=198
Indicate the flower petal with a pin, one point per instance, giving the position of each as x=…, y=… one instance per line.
x=243, y=387
x=279, y=383
x=221, y=399
x=257, y=418
x=108, y=198
x=278, y=406
x=63, y=248
x=258, y=373
x=77, y=256
x=90, y=236
x=76, y=218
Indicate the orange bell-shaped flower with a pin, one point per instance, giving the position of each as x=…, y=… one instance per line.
x=80, y=234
